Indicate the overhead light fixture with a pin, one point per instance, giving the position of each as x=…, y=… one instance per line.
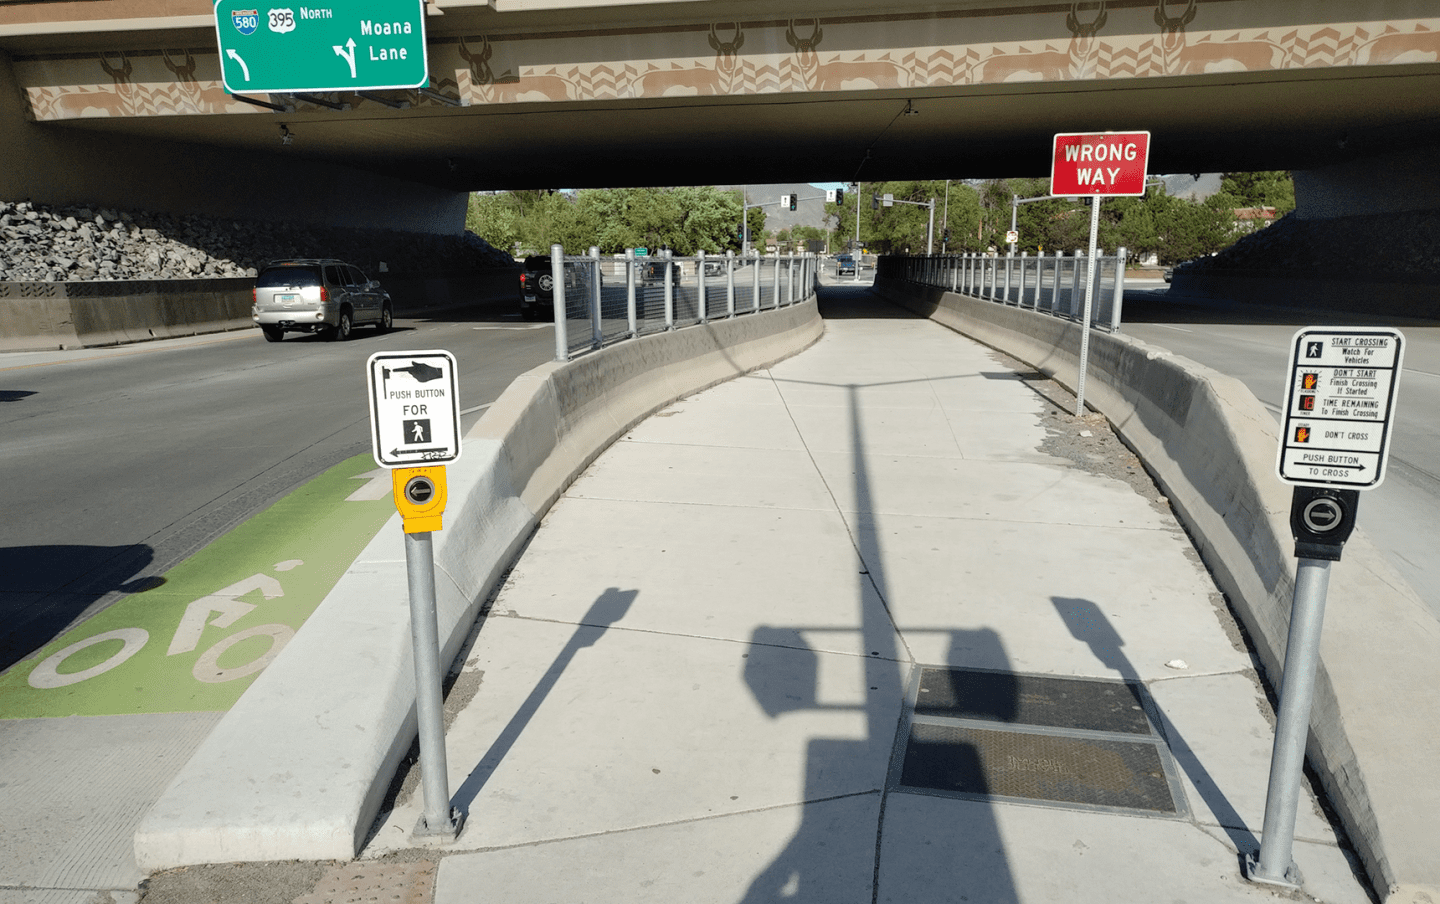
x=286, y=138
x=910, y=108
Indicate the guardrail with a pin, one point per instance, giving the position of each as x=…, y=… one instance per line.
x=601, y=301
x=1051, y=284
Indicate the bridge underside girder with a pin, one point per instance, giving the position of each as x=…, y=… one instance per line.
x=721, y=92
x=1241, y=122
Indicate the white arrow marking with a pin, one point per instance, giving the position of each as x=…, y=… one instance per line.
x=225, y=602
x=379, y=485
x=230, y=52
x=349, y=57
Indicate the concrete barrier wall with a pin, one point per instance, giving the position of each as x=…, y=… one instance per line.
x=43, y=316
x=1211, y=445
x=297, y=769
x=47, y=316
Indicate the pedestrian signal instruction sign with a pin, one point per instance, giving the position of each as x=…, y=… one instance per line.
x=1339, y=405
x=414, y=408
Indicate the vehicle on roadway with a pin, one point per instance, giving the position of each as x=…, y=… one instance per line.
x=537, y=288
x=652, y=273
x=844, y=264
x=318, y=295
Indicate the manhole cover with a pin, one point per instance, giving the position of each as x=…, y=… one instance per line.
x=1033, y=700
x=987, y=763
x=1086, y=743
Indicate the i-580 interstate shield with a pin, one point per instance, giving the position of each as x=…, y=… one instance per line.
x=414, y=408
x=1339, y=405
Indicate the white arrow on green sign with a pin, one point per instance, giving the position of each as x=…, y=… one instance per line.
x=362, y=45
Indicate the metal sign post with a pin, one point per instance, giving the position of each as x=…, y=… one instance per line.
x=1096, y=164
x=415, y=409
x=1334, y=442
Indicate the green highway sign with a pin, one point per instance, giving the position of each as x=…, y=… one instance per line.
x=360, y=45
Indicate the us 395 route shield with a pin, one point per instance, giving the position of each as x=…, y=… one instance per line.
x=1339, y=405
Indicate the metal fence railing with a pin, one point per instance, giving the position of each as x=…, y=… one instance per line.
x=1050, y=284
x=600, y=301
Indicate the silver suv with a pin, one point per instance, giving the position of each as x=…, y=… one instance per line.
x=323, y=296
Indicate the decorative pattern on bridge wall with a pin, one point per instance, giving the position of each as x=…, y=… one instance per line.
x=917, y=51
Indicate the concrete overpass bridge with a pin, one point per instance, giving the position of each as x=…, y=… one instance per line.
x=121, y=102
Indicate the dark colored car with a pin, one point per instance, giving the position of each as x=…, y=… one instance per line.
x=317, y=295
x=652, y=273
x=844, y=264
x=537, y=288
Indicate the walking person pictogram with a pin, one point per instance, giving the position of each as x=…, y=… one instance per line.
x=417, y=431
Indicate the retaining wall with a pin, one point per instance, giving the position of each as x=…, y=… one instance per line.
x=41, y=316
x=297, y=769
x=1211, y=445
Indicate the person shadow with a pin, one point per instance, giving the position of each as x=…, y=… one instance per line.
x=914, y=838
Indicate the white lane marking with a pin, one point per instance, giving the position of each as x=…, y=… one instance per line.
x=377, y=486
x=1169, y=327
x=526, y=326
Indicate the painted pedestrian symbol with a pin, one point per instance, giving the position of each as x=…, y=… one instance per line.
x=417, y=431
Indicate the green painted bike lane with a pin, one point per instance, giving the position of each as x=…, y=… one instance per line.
x=195, y=642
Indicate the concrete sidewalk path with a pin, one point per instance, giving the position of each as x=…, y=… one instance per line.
x=699, y=682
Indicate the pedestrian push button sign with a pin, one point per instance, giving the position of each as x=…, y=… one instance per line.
x=1339, y=406
x=414, y=408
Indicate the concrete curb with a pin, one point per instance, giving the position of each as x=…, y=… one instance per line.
x=298, y=768
x=1211, y=445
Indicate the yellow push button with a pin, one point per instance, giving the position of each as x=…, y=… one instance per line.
x=420, y=497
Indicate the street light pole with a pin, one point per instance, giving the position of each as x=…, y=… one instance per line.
x=856, y=253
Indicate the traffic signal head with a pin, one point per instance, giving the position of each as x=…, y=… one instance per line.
x=874, y=202
x=840, y=196
x=793, y=201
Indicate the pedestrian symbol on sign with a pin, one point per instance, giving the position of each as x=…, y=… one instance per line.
x=417, y=432
x=1314, y=349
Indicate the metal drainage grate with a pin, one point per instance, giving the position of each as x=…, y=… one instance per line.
x=1083, y=743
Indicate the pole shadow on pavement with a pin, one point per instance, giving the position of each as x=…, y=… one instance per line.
x=802, y=871
x=609, y=608
x=1089, y=625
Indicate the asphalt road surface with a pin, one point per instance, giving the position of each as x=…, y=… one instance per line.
x=122, y=462
x=1401, y=516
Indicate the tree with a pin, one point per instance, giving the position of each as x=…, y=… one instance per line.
x=1263, y=189
x=1185, y=230
x=495, y=219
